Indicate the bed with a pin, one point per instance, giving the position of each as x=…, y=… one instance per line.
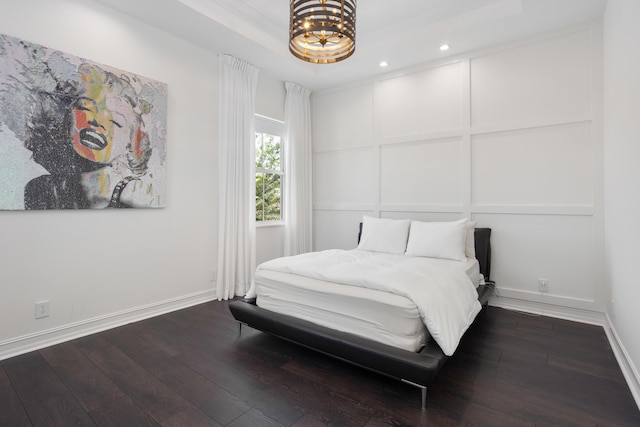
x=310, y=309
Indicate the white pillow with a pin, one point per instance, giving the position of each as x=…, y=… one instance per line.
x=384, y=235
x=438, y=239
x=470, y=240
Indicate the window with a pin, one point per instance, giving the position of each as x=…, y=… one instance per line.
x=269, y=169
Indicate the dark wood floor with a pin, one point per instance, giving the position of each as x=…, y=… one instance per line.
x=190, y=368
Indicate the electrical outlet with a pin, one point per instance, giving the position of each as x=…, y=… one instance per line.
x=42, y=309
x=543, y=285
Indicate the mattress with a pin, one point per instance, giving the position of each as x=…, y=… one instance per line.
x=377, y=315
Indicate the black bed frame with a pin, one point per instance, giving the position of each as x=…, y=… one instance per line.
x=416, y=368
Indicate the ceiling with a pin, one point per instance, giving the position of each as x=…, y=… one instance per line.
x=402, y=32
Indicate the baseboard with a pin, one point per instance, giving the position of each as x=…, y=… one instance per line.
x=31, y=342
x=546, y=299
x=583, y=316
x=551, y=310
x=629, y=370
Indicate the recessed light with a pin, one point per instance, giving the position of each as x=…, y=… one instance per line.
x=383, y=63
x=444, y=47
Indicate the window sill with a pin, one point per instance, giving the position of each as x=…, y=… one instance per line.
x=264, y=224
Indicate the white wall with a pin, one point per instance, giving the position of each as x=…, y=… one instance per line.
x=270, y=97
x=104, y=268
x=622, y=174
x=510, y=137
x=100, y=268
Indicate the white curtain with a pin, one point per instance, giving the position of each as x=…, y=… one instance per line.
x=236, y=187
x=298, y=179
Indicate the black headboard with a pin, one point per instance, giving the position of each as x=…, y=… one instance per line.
x=482, y=237
x=483, y=251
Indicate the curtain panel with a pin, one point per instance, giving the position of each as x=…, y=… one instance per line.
x=236, y=187
x=298, y=162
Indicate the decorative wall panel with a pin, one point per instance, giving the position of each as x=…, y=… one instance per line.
x=344, y=177
x=343, y=225
x=343, y=119
x=546, y=81
x=420, y=103
x=426, y=172
x=527, y=248
x=540, y=166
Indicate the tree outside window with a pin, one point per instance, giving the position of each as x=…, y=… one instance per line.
x=269, y=177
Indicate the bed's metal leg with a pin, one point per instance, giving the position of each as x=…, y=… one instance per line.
x=423, y=391
x=239, y=328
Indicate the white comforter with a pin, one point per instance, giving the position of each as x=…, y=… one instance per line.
x=442, y=291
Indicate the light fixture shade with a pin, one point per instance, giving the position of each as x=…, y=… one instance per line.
x=322, y=31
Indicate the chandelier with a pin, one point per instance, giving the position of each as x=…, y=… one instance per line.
x=322, y=31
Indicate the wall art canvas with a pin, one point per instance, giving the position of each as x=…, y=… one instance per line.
x=75, y=134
